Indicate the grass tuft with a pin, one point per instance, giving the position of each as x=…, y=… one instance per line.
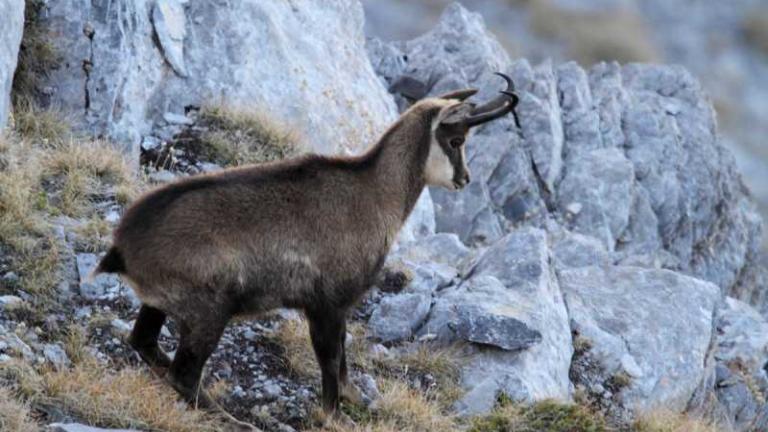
x=40, y=126
x=666, y=421
x=236, y=136
x=545, y=416
x=14, y=415
x=293, y=337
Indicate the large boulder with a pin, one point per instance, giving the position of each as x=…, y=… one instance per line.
x=648, y=332
x=12, y=23
x=628, y=155
x=512, y=314
x=133, y=68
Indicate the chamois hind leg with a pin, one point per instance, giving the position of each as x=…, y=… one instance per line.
x=144, y=337
x=326, y=332
x=196, y=343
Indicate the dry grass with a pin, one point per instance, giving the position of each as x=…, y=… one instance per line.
x=665, y=421
x=756, y=29
x=125, y=399
x=77, y=171
x=94, y=235
x=293, y=337
x=15, y=415
x=40, y=177
x=443, y=364
x=41, y=126
x=545, y=416
x=400, y=408
x=619, y=35
x=97, y=395
x=238, y=136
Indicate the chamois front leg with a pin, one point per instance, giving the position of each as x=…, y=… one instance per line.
x=348, y=390
x=326, y=329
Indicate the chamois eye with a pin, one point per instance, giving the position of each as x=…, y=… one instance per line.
x=457, y=142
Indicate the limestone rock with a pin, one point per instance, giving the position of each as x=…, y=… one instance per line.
x=523, y=343
x=304, y=63
x=652, y=326
x=12, y=23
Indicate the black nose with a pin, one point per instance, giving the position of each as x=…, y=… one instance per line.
x=466, y=178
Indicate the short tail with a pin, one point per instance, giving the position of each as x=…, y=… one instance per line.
x=111, y=263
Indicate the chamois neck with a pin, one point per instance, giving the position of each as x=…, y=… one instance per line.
x=399, y=158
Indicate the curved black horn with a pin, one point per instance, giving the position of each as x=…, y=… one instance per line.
x=496, y=107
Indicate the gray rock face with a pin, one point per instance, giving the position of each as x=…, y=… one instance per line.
x=398, y=316
x=628, y=155
x=303, y=63
x=512, y=310
x=12, y=23
x=653, y=326
x=736, y=399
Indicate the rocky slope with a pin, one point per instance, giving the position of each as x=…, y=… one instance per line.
x=605, y=252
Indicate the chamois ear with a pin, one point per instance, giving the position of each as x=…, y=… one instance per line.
x=459, y=94
x=457, y=113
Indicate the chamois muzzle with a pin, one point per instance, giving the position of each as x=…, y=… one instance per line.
x=497, y=107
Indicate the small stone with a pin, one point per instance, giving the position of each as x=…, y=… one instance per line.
x=574, y=208
x=56, y=355
x=11, y=278
x=151, y=143
x=209, y=167
x=120, y=326
x=177, y=119
x=162, y=177
x=271, y=391
x=112, y=216
x=10, y=301
x=250, y=335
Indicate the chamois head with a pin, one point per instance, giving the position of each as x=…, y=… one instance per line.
x=446, y=164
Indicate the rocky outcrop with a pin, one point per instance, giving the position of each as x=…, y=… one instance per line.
x=12, y=23
x=604, y=232
x=132, y=69
x=627, y=155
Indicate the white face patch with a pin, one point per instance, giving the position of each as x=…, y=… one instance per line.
x=439, y=169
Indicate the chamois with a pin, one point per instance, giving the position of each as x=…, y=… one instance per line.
x=309, y=233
